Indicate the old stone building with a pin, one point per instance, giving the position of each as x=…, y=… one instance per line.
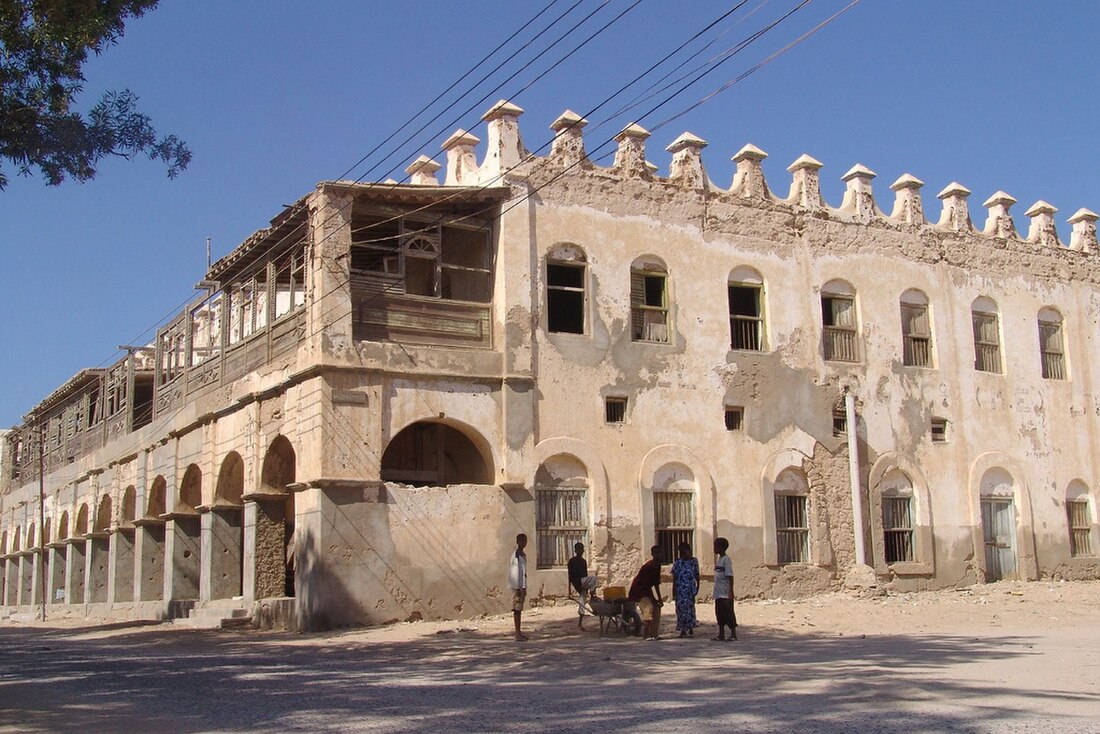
x=380, y=389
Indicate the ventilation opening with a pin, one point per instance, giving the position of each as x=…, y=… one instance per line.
x=939, y=430
x=615, y=410
x=735, y=418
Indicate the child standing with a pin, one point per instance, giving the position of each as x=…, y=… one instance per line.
x=685, y=587
x=723, y=591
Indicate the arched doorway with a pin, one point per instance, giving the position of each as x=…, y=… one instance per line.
x=123, y=541
x=149, y=543
x=99, y=552
x=434, y=454
x=275, y=522
x=183, y=537
x=226, y=520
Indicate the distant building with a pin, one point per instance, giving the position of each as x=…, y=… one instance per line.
x=382, y=388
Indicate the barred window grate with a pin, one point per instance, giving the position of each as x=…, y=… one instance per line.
x=561, y=521
x=674, y=521
x=987, y=342
x=916, y=336
x=1079, y=527
x=897, y=529
x=615, y=410
x=792, y=528
x=1051, y=350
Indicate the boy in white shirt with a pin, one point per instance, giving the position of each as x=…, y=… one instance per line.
x=723, y=592
x=517, y=582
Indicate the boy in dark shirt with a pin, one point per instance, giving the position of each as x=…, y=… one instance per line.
x=642, y=593
x=580, y=581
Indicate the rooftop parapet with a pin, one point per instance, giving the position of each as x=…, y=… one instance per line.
x=686, y=167
x=568, y=144
x=859, y=199
x=999, y=222
x=422, y=172
x=1042, y=230
x=956, y=214
x=806, y=183
x=908, y=207
x=630, y=159
x=1084, y=230
x=748, y=181
x=504, y=147
x=462, y=166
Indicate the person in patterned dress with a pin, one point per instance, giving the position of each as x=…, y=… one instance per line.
x=685, y=587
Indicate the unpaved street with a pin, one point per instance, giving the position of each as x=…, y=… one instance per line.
x=998, y=658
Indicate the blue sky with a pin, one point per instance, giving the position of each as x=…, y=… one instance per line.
x=274, y=96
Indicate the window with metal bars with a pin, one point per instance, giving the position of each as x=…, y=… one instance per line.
x=614, y=410
x=838, y=317
x=987, y=342
x=648, y=306
x=746, y=318
x=916, y=336
x=1051, y=350
x=897, y=529
x=1079, y=527
x=673, y=521
x=939, y=430
x=792, y=528
x=735, y=417
x=561, y=521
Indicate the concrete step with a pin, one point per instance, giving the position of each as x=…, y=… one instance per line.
x=220, y=611
x=233, y=623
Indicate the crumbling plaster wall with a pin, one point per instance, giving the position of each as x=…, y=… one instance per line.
x=677, y=390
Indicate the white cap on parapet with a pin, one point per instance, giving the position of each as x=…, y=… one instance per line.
x=1083, y=236
x=749, y=152
x=422, y=171
x=460, y=137
x=568, y=119
x=908, y=206
x=906, y=181
x=1042, y=230
x=805, y=184
x=633, y=130
x=805, y=161
x=686, y=141
x=503, y=108
x=999, y=222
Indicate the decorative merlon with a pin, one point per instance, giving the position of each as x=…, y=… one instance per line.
x=422, y=172
x=859, y=199
x=748, y=181
x=908, y=206
x=461, y=158
x=686, y=167
x=1083, y=237
x=1042, y=230
x=630, y=156
x=805, y=182
x=569, y=139
x=956, y=213
x=504, y=148
x=999, y=222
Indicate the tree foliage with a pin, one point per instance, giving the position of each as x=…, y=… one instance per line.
x=43, y=47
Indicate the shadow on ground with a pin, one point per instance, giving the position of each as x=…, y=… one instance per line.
x=189, y=681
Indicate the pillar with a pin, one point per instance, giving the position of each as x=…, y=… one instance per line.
x=74, y=572
x=149, y=564
x=222, y=538
x=121, y=586
x=98, y=568
x=265, y=547
x=55, y=587
x=182, y=557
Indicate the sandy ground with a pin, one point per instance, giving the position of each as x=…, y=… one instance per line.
x=1004, y=657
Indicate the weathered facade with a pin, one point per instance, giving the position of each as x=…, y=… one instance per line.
x=382, y=388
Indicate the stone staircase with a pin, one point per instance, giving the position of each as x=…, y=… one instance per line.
x=221, y=614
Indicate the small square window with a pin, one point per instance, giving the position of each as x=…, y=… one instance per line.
x=614, y=410
x=840, y=423
x=735, y=418
x=939, y=430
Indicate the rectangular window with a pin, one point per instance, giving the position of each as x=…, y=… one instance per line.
x=897, y=529
x=1079, y=527
x=674, y=521
x=840, y=423
x=987, y=343
x=916, y=336
x=939, y=430
x=648, y=306
x=561, y=521
x=1051, y=351
x=746, y=322
x=792, y=528
x=615, y=410
x=565, y=298
x=735, y=418
x=838, y=315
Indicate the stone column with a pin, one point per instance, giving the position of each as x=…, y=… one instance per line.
x=56, y=578
x=264, y=545
x=149, y=560
x=121, y=588
x=39, y=563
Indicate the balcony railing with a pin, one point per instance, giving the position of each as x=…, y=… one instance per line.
x=840, y=344
x=987, y=357
x=917, y=351
x=745, y=333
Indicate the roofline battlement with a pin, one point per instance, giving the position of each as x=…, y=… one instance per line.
x=506, y=157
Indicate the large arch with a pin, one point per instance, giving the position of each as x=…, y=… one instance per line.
x=230, y=485
x=273, y=573
x=562, y=509
x=774, y=479
x=226, y=530
x=156, y=502
x=279, y=466
x=103, y=515
x=435, y=453
x=80, y=527
x=190, y=492
x=675, y=468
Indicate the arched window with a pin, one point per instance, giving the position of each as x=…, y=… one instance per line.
x=1079, y=516
x=103, y=515
x=897, y=517
x=916, y=330
x=432, y=454
x=561, y=509
x=230, y=484
x=191, y=489
x=155, y=504
x=673, y=508
x=745, y=293
x=987, y=335
x=566, y=289
x=649, y=302
x=792, y=517
x=1051, y=344
x=839, y=324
